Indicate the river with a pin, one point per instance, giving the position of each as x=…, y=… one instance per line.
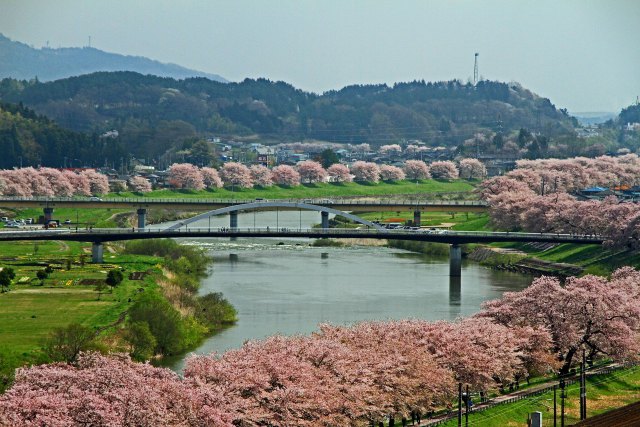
x=287, y=287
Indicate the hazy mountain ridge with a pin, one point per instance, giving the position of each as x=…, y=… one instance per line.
x=442, y=113
x=20, y=61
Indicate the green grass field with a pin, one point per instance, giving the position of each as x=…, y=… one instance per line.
x=30, y=311
x=604, y=393
x=318, y=190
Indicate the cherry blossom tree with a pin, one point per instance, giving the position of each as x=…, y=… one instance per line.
x=416, y=169
x=366, y=171
x=59, y=182
x=285, y=175
x=210, y=178
x=80, y=183
x=339, y=173
x=444, y=170
x=311, y=171
x=390, y=150
x=236, y=175
x=391, y=173
x=589, y=312
x=140, y=184
x=261, y=175
x=472, y=169
x=185, y=176
x=15, y=184
x=98, y=183
x=111, y=390
x=40, y=186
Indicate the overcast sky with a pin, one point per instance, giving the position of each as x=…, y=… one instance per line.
x=582, y=55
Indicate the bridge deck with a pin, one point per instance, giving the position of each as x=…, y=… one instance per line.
x=198, y=204
x=441, y=236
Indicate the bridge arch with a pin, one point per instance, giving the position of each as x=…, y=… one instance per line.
x=262, y=205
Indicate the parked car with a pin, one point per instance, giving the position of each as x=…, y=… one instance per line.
x=95, y=199
x=67, y=221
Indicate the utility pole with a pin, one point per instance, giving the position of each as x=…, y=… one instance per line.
x=583, y=388
x=562, y=396
x=466, y=405
x=555, y=406
x=459, y=404
x=475, y=69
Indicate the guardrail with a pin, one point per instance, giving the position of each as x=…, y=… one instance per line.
x=200, y=201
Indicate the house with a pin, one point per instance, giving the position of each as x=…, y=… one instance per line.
x=265, y=156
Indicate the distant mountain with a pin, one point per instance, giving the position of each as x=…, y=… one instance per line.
x=593, y=118
x=20, y=61
x=155, y=114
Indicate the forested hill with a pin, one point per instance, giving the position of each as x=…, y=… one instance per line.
x=29, y=139
x=21, y=61
x=137, y=106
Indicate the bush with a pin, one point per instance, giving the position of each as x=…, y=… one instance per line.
x=65, y=344
x=164, y=322
x=213, y=310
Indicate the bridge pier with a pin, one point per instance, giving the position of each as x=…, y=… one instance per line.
x=142, y=216
x=325, y=220
x=416, y=218
x=96, y=252
x=233, y=222
x=48, y=214
x=455, y=260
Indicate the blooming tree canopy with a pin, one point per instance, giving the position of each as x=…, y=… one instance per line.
x=140, y=184
x=261, y=175
x=236, y=174
x=210, y=178
x=311, y=171
x=444, y=170
x=285, y=175
x=185, y=176
x=391, y=173
x=472, y=169
x=339, y=173
x=416, y=169
x=366, y=171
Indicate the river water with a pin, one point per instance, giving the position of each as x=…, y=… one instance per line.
x=287, y=287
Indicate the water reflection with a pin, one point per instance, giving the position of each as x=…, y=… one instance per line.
x=455, y=291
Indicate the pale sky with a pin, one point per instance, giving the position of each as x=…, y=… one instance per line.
x=583, y=55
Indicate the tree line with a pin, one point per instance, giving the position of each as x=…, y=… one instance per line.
x=443, y=113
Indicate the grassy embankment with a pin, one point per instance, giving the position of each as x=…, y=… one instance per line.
x=318, y=190
x=604, y=393
x=161, y=301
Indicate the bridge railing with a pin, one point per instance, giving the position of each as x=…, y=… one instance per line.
x=313, y=201
x=283, y=231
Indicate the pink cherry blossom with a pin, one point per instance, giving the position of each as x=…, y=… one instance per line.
x=285, y=175
x=416, y=169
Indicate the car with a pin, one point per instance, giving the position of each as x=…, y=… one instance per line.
x=95, y=199
x=12, y=225
x=67, y=221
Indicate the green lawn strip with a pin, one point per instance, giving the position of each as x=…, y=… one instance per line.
x=318, y=190
x=604, y=393
x=29, y=312
x=82, y=217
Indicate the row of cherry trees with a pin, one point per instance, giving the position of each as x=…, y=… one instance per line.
x=536, y=197
x=344, y=375
x=187, y=176
x=27, y=182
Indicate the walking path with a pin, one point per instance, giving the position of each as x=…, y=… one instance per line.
x=516, y=395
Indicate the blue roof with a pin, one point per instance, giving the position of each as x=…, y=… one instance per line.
x=595, y=189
